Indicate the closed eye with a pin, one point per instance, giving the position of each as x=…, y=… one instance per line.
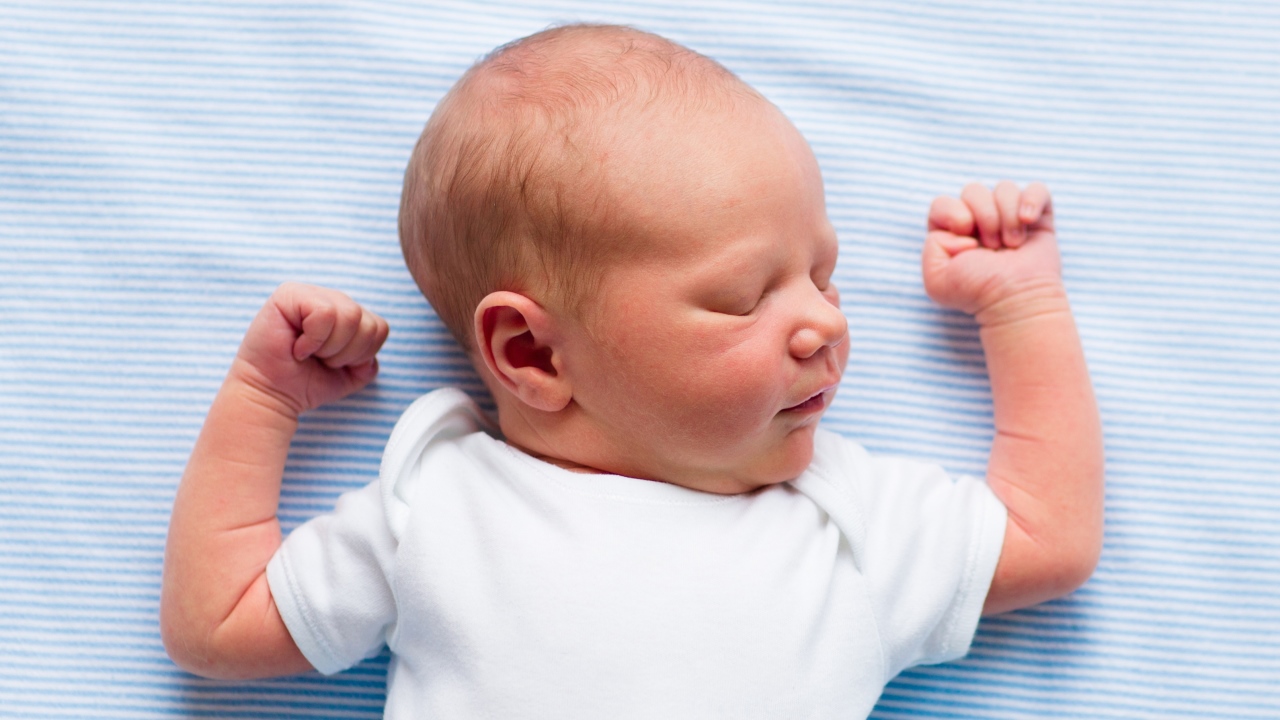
x=736, y=299
x=739, y=308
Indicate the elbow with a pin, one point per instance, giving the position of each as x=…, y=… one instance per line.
x=1085, y=545
x=1039, y=567
x=183, y=647
x=1075, y=564
x=1075, y=555
x=194, y=649
x=1075, y=548
x=203, y=658
x=188, y=649
x=1035, y=572
x=250, y=643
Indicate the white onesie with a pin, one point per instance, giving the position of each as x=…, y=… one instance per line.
x=507, y=587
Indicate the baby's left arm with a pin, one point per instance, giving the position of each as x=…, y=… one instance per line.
x=995, y=255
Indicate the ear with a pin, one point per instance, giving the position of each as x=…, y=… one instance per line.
x=521, y=346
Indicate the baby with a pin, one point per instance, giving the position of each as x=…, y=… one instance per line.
x=632, y=246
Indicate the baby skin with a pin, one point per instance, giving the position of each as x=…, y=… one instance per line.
x=706, y=360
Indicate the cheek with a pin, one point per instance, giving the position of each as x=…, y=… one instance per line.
x=733, y=389
x=708, y=383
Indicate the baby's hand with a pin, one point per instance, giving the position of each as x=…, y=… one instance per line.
x=985, y=251
x=309, y=346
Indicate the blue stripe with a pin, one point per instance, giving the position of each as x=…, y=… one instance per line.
x=164, y=165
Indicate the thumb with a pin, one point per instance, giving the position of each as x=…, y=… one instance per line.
x=940, y=247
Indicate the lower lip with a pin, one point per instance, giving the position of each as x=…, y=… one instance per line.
x=813, y=404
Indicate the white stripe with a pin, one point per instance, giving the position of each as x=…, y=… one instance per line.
x=164, y=165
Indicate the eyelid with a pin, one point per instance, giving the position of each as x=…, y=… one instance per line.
x=735, y=304
x=735, y=312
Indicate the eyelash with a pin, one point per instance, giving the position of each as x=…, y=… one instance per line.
x=821, y=281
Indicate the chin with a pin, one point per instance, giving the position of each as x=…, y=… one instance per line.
x=791, y=458
x=785, y=461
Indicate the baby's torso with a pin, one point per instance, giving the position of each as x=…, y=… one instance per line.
x=508, y=587
x=600, y=596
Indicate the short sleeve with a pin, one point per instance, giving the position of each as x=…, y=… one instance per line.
x=331, y=582
x=926, y=544
x=333, y=578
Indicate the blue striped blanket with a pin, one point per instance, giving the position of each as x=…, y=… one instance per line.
x=163, y=166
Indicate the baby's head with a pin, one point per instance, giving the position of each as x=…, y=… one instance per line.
x=632, y=246
x=508, y=186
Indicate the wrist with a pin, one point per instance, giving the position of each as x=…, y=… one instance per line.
x=1030, y=301
x=249, y=387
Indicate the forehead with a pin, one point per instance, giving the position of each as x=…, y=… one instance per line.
x=677, y=176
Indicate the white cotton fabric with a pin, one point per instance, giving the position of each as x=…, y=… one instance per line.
x=509, y=587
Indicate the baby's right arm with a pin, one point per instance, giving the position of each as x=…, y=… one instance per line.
x=306, y=347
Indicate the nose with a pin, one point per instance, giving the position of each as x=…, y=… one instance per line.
x=822, y=324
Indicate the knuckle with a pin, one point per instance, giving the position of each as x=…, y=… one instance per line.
x=974, y=199
x=348, y=314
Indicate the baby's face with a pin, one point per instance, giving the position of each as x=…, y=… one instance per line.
x=711, y=357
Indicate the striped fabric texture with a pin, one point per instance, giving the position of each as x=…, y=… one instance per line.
x=164, y=165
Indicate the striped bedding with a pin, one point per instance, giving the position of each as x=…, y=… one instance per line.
x=164, y=165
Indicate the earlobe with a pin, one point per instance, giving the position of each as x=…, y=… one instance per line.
x=518, y=342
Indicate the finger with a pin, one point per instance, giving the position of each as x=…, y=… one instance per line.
x=312, y=313
x=316, y=321
x=345, y=328
x=362, y=368
x=933, y=264
x=983, y=206
x=950, y=214
x=364, y=345
x=939, y=249
x=1036, y=207
x=1007, y=196
x=950, y=243
x=363, y=373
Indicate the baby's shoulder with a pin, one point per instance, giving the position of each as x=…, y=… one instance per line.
x=846, y=479
x=430, y=440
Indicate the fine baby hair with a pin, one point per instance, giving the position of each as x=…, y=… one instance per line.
x=506, y=189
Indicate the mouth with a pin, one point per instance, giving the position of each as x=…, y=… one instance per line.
x=816, y=403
